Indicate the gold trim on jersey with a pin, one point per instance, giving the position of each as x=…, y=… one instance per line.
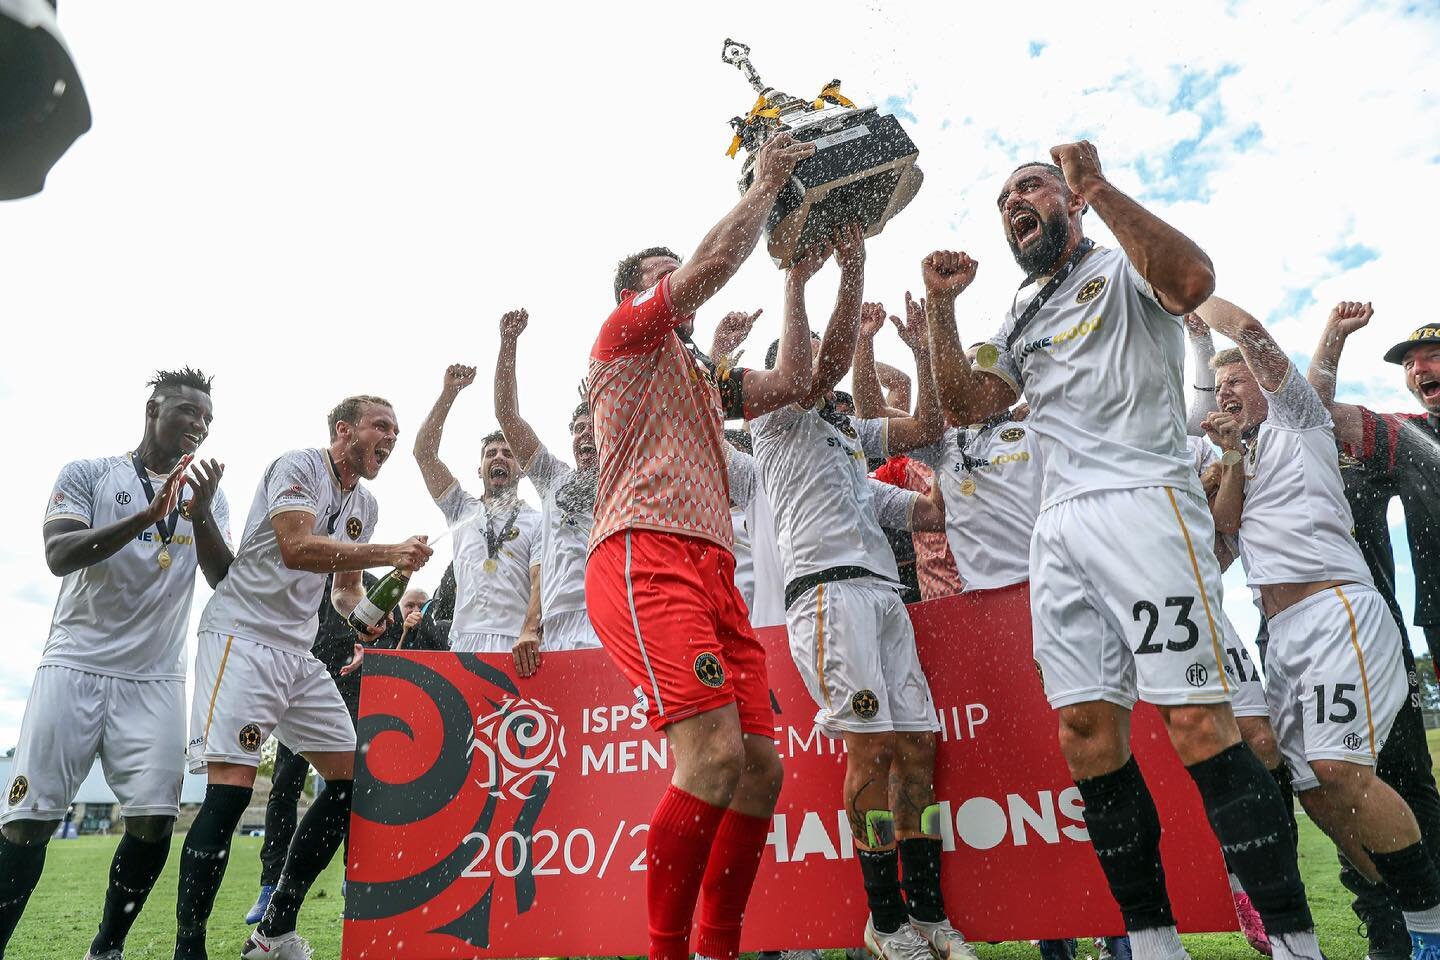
x=820, y=643
x=1364, y=674
x=1200, y=585
x=219, y=675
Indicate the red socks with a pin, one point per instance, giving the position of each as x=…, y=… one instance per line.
x=734, y=861
x=682, y=832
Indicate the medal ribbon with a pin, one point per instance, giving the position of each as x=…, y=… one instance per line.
x=1043, y=297
x=165, y=527
x=494, y=541
x=963, y=440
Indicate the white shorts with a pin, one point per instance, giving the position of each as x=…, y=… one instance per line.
x=569, y=631
x=854, y=646
x=1249, y=698
x=1335, y=679
x=136, y=727
x=481, y=643
x=245, y=691
x=1125, y=600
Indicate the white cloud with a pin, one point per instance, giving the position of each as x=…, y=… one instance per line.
x=318, y=199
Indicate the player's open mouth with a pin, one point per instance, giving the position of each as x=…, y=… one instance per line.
x=585, y=450
x=194, y=439
x=1024, y=224
x=382, y=454
x=498, y=472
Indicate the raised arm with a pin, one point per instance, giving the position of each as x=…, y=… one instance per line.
x=1345, y=318
x=730, y=242
x=864, y=374
x=789, y=381
x=1228, y=503
x=896, y=384
x=837, y=346
x=906, y=432
x=517, y=430
x=438, y=477
x=734, y=327
x=966, y=395
x=1202, y=350
x=212, y=551
x=1180, y=273
x=1262, y=354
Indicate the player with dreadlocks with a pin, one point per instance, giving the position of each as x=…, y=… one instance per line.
x=126, y=534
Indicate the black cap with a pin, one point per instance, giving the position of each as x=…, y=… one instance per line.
x=1396, y=354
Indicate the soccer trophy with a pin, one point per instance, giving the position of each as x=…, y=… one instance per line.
x=43, y=107
x=863, y=168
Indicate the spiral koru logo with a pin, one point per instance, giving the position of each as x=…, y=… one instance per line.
x=522, y=743
x=1352, y=741
x=1196, y=675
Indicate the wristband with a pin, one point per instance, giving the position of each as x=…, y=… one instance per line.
x=1204, y=389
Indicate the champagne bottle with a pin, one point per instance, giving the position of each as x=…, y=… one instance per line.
x=379, y=600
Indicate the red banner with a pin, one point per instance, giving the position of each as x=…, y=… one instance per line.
x=503, y=817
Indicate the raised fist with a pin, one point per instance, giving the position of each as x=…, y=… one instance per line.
x=1080, y=162
x=513, y=322
x=458, y=377
x=947, y=273
x=1349, y=316
x=872, y=319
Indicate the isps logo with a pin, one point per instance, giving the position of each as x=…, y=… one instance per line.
x=522, y=743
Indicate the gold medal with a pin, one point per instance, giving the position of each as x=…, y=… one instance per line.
x=967, y=487
x=490, y=566
x=163, y=558
x=987, y=355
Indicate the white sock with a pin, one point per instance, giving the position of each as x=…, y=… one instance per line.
x=1235, y=884
x=1295, y=946
x=1424, y=921
x=1156, y=943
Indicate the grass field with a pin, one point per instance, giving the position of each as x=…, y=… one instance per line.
x=66, y=908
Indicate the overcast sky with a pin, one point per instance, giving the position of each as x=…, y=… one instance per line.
x=313, y=200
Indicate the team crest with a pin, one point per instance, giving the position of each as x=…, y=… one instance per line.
x=514, y=532
x=250, y=737
x=1196, y=675
x=865, y=704
x=709, y=671
x=1091, y=290
x=352, y=528
x=59, y=498
x=123, y=497
x=185, y=509
x=19, y=787
x=1011, y=434
x=1352, y=741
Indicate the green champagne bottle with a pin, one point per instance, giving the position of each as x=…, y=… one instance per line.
x=379, y=600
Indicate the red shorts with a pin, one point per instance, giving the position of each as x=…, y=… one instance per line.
x=666, y=610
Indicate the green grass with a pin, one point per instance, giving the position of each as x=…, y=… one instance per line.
x=65, y=909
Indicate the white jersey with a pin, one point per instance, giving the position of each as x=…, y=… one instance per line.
x=1202, y=454
x=744, y=477
x=125, y=616
x=1296, y=525
x=261, y=599
x=1102, y=365
x=828, y=511
x=990, y=479
x=491, y=602
x=567, y=512
x=769, y=606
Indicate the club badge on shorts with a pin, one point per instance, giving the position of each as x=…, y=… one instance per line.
x=1196, y=675
x=1352, y=741
x=19, y=787
x=865, y=704
x=250, y=738
x=709, y=671
x=1091, y=290
x=352, y=528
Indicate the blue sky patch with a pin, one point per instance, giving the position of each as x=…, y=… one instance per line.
x=1351, y=256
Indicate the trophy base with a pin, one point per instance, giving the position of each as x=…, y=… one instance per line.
x=863, y=170
x=43, y=108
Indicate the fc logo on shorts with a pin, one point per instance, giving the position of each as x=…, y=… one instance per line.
x=1011, y=434
x=865, y=704
x=123, y=497
x=709, y=671
x=352, y=528
x=250, y=737
x=1091, y=290
x=19, y=787
x=1352, y=742
x=1196, y=675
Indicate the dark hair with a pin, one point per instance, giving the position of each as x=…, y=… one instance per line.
x=350, y=409
x=494, y=436
x=1054, y=171
x=164, y=380
x=773, y=354
x=583, y=410
x=627, y=271
x=740, y=440
x=841, y=397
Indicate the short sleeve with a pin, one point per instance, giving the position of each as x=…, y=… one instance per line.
x=1202, y=454
x=894, y=506
x=874, y=437
x=74, y=495
x=1295, y=405
x=456, y=504
x=220, y=511
x=1002, y=363
x=291, y=484
x=638, y=325
x=933, y=455
x=546, y=471
x=776, y=422
x=743, y=477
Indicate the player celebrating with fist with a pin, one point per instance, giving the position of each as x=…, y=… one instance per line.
x=659, y=584
x=1098, y=349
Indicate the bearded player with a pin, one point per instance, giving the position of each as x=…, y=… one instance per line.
x=255, y=674
x=127, y=534
x=659, y=584
x=1098, y=348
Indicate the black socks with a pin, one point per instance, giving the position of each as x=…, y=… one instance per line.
x=316, y=840
x=1125, y=831
x=881, y=872
x=20, y=867
x=920, y=867
x=202, y=864
x=133, y=873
